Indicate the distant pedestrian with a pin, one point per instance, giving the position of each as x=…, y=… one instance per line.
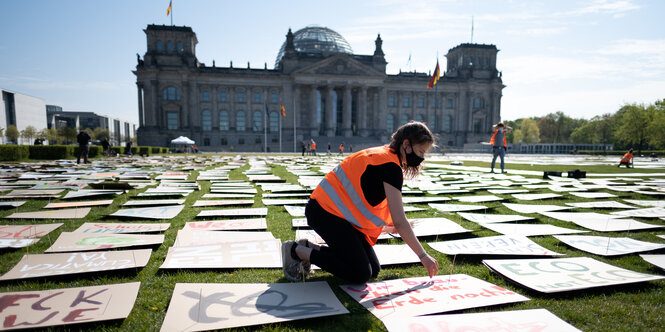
x=303, y=147
x=329, y=148
x=83, y=138
x=105, y=147
x=499, y=145
x=128, y=148
x=350, y=148
x=313, y=148
x=627, y=159
x=341, y=148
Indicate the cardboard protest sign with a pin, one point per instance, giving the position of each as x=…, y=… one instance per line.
x=259, y=212
x=600, y=205
x=534, y=208
x=71, y=241
x=270, y=201
x=564, y=274
x=299, y=222
x=492, y=218
x=26, y=231
x=492, y=245
x=231, y=196
x=600, y=222
x=154, y=202
x=61, y=205
x=533, y=197
x=203, y=237
x=423, y=296
x=52, y=214
x=158, y=212
x=200, y=307
x=227, y=225
x=295, y=211
x=657, y=260
x=43, y=265
x=530, y=229
x=507, y=191
x=652, y=212
x=607, y=246
x=456, y=207
x=539, y=320
x=227, y=255
x=17, y=243
x=11, y=204
x=223, y=202
x=593, y=195
x=392, y=254
x=234, y=191
x=124, y=228
x=91, y=193
x=478, y=198
x=66, y=306
x=287, y=195
x=429, y=227
x=423, y=199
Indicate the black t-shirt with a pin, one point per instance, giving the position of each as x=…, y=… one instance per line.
x=371, y=181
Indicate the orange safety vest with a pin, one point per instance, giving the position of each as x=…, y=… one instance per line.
x=341, y=147
x=313, y=146
x=626, y=158
x=340, y=192
x=505, y=144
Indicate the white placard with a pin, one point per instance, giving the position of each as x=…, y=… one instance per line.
x=17, y=243
x=607, y=246
x=121, y=228
x=249, y=212
x=295, y=211
x=158, y=212
x=192, y=237
x=430, y=227
x=70, y=241
x=533, y=197
x=646, y=202
x=478, y=198
x=227, y=225
x=392, y=254
x=52, y=214
x=565, y=274
x=600, y=205
x=26, y=231
x=530, y=229
x=593, y=195
x=492, y=218
x=228, y=255
x=456, y=207
x=652, y=212
x=534, y=208
x=492, y=245
x=657, y=260
x=299, y=222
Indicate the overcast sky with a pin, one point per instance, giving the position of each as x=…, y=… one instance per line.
x=584, y=58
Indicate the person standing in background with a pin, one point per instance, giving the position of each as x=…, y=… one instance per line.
x=83, y=138
x=499, y=144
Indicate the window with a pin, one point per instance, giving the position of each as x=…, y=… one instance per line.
x=421, y=102
x=450, y=103
x=257, y=121
x=206, y=141
x=390, y=123
x=448, y=124
x=206, y=120
x=274, y=122
x=273, y=98
x=205, y=96
x=223, y=120
x=257, y=97
x=478, y=102
x=435, y=102
x=404, y=118
x=477, y=125
x=172, y=120
x=241, y=141
x=223, y=96
x=224, y=141
x=171, y=93
x=391, y=101
x=240, y=121
x=160, y=46
x=257, y=140
x=240, y=97
x=432, y=122
x=180, y=50
x=406, y=102
x=169, y=46
x=420, y=118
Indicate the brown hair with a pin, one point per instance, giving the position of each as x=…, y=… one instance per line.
x=417, y=133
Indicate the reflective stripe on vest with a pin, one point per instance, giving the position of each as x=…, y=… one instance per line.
x=355, y=198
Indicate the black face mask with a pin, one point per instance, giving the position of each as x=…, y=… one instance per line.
x=412, y=159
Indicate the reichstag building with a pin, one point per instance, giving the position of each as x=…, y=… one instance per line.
x=329, y=93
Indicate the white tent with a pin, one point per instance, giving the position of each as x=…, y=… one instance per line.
x=182, y=144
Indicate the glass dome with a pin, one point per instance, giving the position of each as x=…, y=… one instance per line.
x=316, y=39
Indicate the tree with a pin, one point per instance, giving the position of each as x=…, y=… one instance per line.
x=557, y=127
x=656, y=128
x=634, y=121
x=530, y=131
x=28, y=133
x=67, y=134
x=52, y=136
x=2, y=132
x=100, y=134
x=12, y=134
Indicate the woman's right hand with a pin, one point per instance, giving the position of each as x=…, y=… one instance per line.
x=430, y=264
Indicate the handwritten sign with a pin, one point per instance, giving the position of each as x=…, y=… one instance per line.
x=601, y=205
x=456, y=207
x=249, y=254
x=159, y=212
x=492, y=245
x=295, y=211
x=154, y=202
x=223, y=202
x=124, y=228
x=276, y=201
x=429, y=227
x=234, y=212
x=608, y=246
x=52, y=214
x=534, y=208
x=565, y=274
x=42, y=265
x=539, y=320
x=202, y=307
x=26, y=231
x=92, y=193
x=492, y=218
x=478, y=198
x=61, y=205
x=203, y=237
x=65, y=306
x=71, y=241
x=600, y=222
x=227, y=225
x=422, y=295
x=530, y=229
x=17, y=243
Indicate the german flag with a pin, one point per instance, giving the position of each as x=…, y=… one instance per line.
x=281, y=107
x=168, y=10
x=435, y=76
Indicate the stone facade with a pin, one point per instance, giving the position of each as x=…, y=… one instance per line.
x=328, y=96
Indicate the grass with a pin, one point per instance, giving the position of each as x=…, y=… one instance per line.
x=620, y=308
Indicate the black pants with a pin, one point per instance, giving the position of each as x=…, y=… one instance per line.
x=347, y=253
x=83, y=151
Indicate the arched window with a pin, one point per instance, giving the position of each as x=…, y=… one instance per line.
x=274, y=122
x=420, y=118
x=257, y=121
x=171, y=93
x=390, y=123
x=205, y=96
x=478, y=102
x=206, y=120
x=240, y=121
x=172, y=120
x=448, y=124
x=404, y=118
x=169, y=46
x=223, y=120
x=160, y=45
x=180, y=48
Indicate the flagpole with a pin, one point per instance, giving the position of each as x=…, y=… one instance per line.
x=294, y=124
x=280, y=132
x=265, y=132
x=171, y=12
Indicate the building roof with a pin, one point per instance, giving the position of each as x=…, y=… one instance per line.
x=316, y=39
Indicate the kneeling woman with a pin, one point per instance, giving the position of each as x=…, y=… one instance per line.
x=352, y=205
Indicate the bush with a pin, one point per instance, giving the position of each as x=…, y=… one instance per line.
x=118, y=149
x=95, y=151
x=14, y=152
x=645, y=153
x=52, y=152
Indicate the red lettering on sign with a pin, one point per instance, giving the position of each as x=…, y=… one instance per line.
x=10, y=300
x=71, y=317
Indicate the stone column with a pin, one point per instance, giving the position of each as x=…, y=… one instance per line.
x=295, y=109
x=330, y=125
x=362, y=111
x=314, y=125
x=152, y=116
x=346, y=112
x=383, y=112
x=139, y=90
x=214, y=112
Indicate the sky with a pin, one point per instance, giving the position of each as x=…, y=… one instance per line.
x=584, y=58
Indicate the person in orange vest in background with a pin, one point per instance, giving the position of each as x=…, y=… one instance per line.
x=357, y=201
x=499, y=145
x=627, y=159
x=313, y=148
x=341, y=148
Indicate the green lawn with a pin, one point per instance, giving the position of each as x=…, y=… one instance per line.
x=635, y=307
